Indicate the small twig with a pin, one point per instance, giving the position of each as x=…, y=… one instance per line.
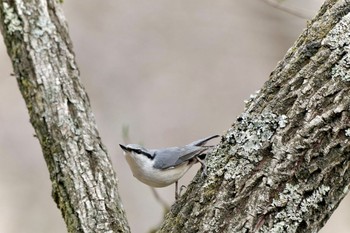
x=160, y=200
x=289, y=10
x=126, y=134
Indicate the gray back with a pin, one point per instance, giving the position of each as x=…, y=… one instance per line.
x=173, y=156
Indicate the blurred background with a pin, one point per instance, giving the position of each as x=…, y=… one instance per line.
x=172, y=71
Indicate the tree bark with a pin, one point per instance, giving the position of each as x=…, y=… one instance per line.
x=84, y=185
x=284, y=164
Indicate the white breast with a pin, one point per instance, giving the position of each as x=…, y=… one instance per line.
x=142, y=168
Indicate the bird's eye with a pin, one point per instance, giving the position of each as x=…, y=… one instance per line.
x=138, y=151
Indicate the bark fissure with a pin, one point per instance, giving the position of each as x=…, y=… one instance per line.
x=84, y=184
x=302, y=116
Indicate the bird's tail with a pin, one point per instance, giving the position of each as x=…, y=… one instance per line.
x=202, y=142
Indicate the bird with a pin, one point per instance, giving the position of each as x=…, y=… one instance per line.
x=163, y=167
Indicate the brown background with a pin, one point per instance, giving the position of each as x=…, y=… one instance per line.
x=173, y=71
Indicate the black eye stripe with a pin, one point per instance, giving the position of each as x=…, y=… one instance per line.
x=148, y=155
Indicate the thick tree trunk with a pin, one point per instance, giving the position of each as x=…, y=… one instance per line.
x=84, y=184
x=284, y=164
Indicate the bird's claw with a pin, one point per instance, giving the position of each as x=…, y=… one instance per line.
x=204, y=167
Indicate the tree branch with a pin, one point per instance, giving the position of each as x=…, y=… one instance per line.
x=284, y=164
x=84, y=185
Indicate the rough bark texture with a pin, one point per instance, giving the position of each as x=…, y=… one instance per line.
x=284, y=164
x=84, y=185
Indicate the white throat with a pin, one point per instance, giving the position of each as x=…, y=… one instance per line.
x=142, y=168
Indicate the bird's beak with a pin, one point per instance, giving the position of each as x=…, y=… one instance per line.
x=124, y=148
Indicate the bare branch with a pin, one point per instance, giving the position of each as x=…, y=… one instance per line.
x=84, y=185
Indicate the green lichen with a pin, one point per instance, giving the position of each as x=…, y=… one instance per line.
x=251, y=131
x=282, y=121
x=43, y=26
x=337, y=37
x=347, y=132
x=294, y=205
x=11, y=20
x=341, y=69
x=338, y=40
x=245, y=138
x=251, y=99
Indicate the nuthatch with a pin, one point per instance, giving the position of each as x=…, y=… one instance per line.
x=162, y=167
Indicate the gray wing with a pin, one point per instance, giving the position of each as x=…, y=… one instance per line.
x=173, y=156
x=203, y=141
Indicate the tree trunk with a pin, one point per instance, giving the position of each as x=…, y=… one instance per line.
x=84, y=185
x=284, y=164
